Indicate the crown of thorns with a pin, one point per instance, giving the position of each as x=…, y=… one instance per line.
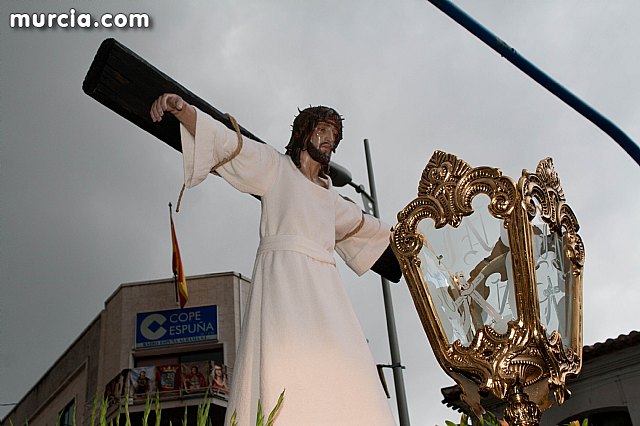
x=307, y=120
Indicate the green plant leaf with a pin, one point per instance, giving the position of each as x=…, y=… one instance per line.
x=260, y=417
x=158, y=409
x=147, y=410
x=103, y=410
x=119, y=413
x=127, y=418
x=489, y=416
x=203, y=412
x=449, y=423
x=464, y=419
x=93, y=408
x=73, y=415
x=275, y=409
x=233, y=421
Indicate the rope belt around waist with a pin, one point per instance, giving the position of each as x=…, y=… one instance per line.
x=295, y=243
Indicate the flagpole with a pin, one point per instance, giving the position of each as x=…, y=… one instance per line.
x=175, y=276
x=370, y=205
x=396, y=364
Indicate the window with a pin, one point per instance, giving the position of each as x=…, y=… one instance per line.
x=65, y=417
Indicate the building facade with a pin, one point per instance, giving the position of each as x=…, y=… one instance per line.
x=142, y=345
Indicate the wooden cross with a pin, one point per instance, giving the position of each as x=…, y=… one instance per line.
x=127, y=84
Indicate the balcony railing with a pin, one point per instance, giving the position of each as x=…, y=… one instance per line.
x=169, y=381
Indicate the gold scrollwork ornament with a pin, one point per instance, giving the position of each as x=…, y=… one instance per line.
x=519, y=360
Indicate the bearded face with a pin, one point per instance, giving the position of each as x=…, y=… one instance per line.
x=319, y=156
x=322, y=142
x=307, y=131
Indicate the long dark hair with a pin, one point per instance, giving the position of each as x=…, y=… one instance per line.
x=303, y=126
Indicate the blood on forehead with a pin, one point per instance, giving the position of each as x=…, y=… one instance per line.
x=325, y=126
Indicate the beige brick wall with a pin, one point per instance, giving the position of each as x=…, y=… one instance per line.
x=72, y=389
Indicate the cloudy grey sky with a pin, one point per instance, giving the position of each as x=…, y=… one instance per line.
x=84, y=193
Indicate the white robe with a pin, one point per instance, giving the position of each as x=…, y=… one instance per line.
x=300, y=332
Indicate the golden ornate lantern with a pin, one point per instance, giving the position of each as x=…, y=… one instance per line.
x=496, y=280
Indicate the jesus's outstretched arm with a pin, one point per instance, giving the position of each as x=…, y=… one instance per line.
x=174, y=104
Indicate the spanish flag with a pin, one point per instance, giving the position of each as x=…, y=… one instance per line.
x=178, y=270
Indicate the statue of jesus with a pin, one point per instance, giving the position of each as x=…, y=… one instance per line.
x=300, y=332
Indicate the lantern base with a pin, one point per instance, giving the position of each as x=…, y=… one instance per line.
x=521, y=411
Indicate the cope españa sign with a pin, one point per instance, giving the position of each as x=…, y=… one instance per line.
x=176, y=326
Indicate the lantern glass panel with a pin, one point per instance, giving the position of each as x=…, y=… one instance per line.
x=554, y=278
x=468, y=272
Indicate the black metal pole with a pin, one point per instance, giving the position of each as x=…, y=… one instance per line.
x=539, y=76
x=396, y=365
